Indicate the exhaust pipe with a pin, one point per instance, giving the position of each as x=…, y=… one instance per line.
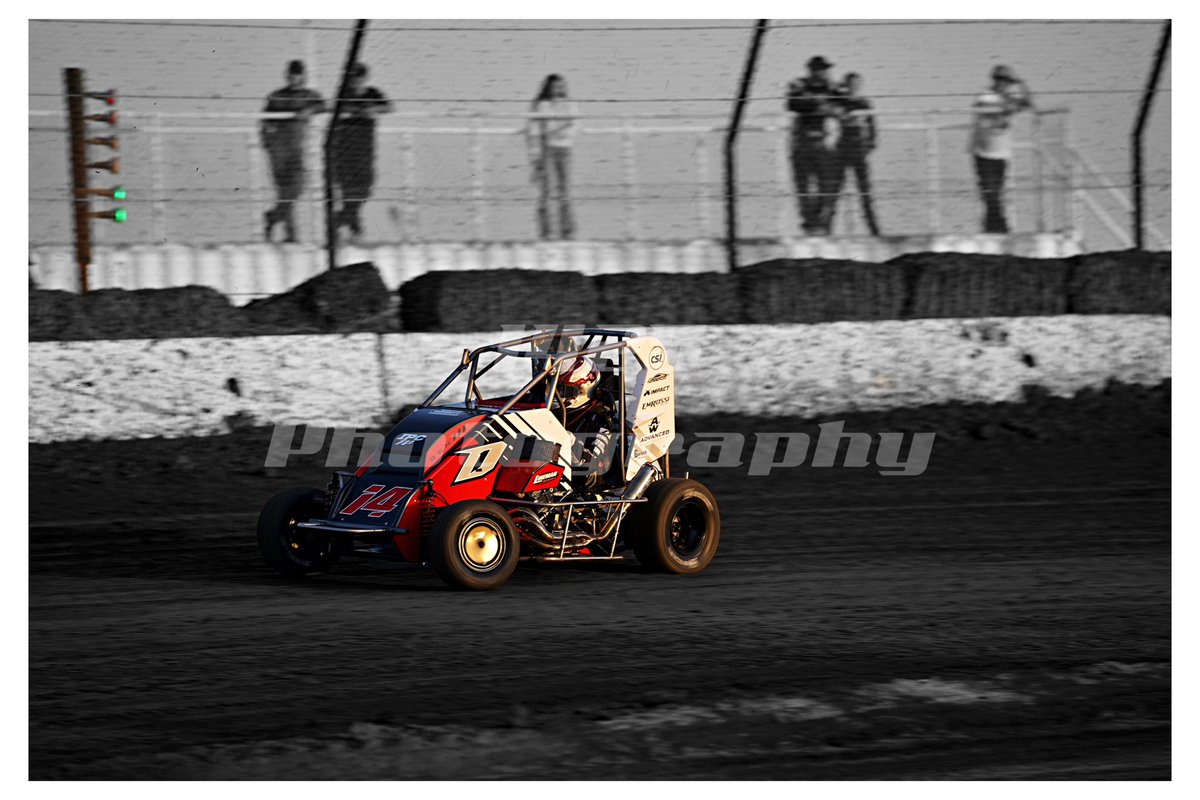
x=636, y=488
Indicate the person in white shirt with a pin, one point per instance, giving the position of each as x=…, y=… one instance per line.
x=549, y=136
x=991, y=141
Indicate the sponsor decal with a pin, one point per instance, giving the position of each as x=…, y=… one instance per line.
x=479, y=461
x=662, y=376
x=659, y=390
x=655, y=403
x=447, y=412
x=653, y=425
x=657, y=357
x=546, y=476
x=408, y=439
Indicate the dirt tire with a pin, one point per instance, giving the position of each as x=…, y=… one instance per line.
x=474, y=545
x=293, y=551
x=678, y=529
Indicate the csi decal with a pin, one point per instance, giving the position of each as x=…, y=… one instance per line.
x=479, y=460
x=656, y=357
x=375, y=500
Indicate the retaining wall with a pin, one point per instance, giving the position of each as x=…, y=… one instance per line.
x=243, y=272
x=355, y=299
x=200, y=386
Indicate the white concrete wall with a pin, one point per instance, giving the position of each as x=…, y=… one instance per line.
x=180, y=387
x=244, y=272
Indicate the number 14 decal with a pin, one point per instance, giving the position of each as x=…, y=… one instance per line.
x=378, y=504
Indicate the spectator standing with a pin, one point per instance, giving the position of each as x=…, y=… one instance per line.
x=815, y=166
x=858, y=138
x=285, y=141
x=549, y=136
x=992, y=141
x=354, y=147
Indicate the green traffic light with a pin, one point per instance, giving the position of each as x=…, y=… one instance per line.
x=120, y=214
x=119, y=193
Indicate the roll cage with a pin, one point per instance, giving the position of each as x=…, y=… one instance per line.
x=549, y=351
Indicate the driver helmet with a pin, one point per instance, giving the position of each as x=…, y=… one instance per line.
x=577, y=385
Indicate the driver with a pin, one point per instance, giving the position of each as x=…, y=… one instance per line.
x=589, y=413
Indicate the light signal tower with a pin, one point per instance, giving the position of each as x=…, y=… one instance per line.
x=80, y=140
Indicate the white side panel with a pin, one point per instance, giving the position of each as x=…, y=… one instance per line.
x=650, y=403
x=542, y=423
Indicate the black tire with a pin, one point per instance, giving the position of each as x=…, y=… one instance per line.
x=474, y=545
x=678, y=529
x=293, y=551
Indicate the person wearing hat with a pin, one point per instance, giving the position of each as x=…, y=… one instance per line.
x=815, y=165
x=992, y=141
x=354, y=147
x=284, y=141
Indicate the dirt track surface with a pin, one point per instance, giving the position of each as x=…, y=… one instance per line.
x=1004, y=615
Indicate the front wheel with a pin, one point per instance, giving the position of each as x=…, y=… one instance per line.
x=474, y=545
x=679, y=527
x=293, y=551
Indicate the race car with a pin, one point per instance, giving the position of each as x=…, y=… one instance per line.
x=550, y=447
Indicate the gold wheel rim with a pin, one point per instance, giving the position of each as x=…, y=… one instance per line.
x=481, y=545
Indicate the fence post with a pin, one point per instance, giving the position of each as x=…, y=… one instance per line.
x=256, y=179
x=408, y=158
x=735, y=124
x=331, y=228
x=784, y=179
x=158, y=179
x=478, y=211
x=629, y=180
x=313, y=156
x=1074, y=202
x=1039, y=201
x=1139, y=208
x=704, y=216
x=933, y=177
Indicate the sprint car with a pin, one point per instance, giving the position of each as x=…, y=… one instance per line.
x=550, y=447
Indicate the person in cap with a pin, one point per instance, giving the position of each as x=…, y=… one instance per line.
x=815, y=166
x=354, y=147
x=992, y=142
x=285, y=141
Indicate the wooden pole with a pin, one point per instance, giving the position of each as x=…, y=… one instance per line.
x=80, y=204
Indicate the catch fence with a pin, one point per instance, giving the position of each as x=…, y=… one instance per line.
x=203, y=178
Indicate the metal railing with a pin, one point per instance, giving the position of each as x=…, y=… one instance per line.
x=199, y=178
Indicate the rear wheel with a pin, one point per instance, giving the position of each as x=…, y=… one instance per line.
x=293, y=551
x=678, y=529
x=474, y=545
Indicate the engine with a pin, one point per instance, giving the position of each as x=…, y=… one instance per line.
x=550, y=528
